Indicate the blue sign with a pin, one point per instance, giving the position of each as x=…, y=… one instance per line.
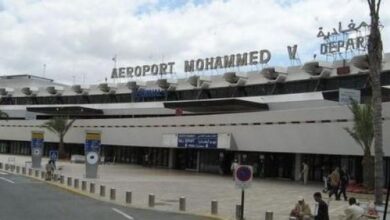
x=197, y=140
x=150, y=93
x=243, y=173
x=92, y=145
x=53, y=155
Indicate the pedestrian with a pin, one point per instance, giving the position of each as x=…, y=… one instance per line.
x=233, y=167
x=321, y=208
x=49, y=170
x=305, y=172
x=353, y=212
x=301, y=210
x=334, y=178
x=344, y=180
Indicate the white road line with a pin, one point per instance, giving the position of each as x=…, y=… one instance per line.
x=2, y=173
x=122, y=213
x=5, y=179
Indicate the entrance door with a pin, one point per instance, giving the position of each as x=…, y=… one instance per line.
x=192, y=159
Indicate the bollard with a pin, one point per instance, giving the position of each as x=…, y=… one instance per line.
x=36, y=173
x=1, y=165
x=62, y=179
x=24, y=170
x=6, y=166
x=182, y=203
x=30, y=172
x=102, y=190
x=214, y=207
x=269, y=215
x=128, y=197
x=42, y=174
x=84, y=185
x=292, y=218
x=112, y=194
x=151, y=200
x=69, y=181
x=76, y=183
x=238, y=212
x=92, y=187
x=18, y=169
x=55, y=177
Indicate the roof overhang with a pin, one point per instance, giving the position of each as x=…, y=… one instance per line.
x=68, y=110
x=217, y=106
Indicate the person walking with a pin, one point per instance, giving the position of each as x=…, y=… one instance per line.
x=305, y=172
x=344, y=181
x=233, y=167
x=49, y=169
x=321, y=208
x=334, y=178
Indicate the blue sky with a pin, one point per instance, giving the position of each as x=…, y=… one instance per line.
x=79, y=37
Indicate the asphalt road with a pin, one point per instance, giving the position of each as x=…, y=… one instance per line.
x=22, y=198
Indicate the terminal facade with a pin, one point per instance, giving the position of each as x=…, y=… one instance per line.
x=274, y=119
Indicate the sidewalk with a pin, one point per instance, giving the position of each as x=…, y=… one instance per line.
x=199, y=189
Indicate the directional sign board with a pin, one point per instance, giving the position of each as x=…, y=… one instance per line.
x=37, y=138
x=243, y=175
x=53, y=155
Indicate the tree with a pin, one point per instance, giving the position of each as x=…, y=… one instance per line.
x=59, y=126
x=375, y=48
x=363, y=133
x=3, y=115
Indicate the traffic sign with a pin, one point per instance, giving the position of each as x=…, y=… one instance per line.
x=243, y=176
x=53, y=155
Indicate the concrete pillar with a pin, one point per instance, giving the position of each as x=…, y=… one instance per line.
x=269, y=215
x=151, y=200
x=182, y=204
x=92, y=187
x=172, y=158
x=102, y=190
x=69, y=181
x=214, y=207
x=128, y=197
x=297, y=167
x=112, y=194
x=84, y=185
x=76, y=183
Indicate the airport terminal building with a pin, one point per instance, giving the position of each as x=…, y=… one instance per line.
x=274, y=118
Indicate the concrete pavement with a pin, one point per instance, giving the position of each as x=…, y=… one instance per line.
x=200, y=189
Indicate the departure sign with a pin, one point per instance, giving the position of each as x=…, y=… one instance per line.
x=197, y=140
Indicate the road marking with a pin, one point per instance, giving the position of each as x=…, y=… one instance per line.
x=2, y=173
x=8, y=180
x=122, y=213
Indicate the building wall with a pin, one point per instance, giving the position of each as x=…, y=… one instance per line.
x=318, y=130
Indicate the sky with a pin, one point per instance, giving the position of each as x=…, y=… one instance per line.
x=74, y=41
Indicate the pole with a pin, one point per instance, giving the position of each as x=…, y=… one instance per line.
x=242, y=203
x=387, y=196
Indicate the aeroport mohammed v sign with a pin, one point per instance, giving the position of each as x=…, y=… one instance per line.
x=200, y=64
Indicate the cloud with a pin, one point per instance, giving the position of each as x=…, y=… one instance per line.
x=79, y=37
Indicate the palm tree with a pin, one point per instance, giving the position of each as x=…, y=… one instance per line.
x=375, y=49
x=363, y=133
x=3, y=115
x=59, y=126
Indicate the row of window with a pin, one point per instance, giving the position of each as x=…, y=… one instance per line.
x=310, y=85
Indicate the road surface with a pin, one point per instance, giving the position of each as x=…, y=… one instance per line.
x=23, y=198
